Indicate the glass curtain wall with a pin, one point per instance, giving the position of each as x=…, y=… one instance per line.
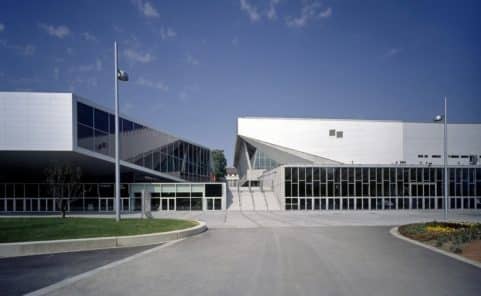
x=99, y=197
x=380, y=188
x=141, y=145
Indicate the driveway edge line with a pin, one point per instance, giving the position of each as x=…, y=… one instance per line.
x=72, y=280
x=395, y=232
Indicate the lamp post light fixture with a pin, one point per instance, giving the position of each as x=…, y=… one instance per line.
x=122, y=76
x=444, y=118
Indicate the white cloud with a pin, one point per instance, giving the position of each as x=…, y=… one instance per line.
x=392, y=52
x=191, y=60
x=310, y=11
x=136, y=56
x=326, y=13
x=251, y=10
x=60, y=32
x=272, y=13
x=2, y=27
x=146, y=8
x=89, y=37
x=70, y=51
x=159, y=85
x=89, y=67
x=26, y=50
x=167, y=33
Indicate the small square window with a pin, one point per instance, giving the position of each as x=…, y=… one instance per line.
x=339, y=134
x=332, y=132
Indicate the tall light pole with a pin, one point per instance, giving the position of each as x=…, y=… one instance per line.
x=123, y=76
x=444, y=118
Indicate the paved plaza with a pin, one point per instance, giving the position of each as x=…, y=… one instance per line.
x=269, y=253
x=254, y=219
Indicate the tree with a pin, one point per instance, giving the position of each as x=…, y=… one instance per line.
x=64, y=185
x=218, y=164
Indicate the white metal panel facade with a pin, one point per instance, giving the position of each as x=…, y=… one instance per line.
x=427, y=139
x=36, y=121
x=361, y=141
x=366, y=141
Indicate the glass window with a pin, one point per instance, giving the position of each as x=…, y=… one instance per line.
x=106, y=190
x=197, y=190
x=309, y=175
x=302, y=173
x=85, y=114
x=294, y=175
x=213, y=190
x=183, y=190
x=196, y=204
x=85, y=136
x=316, y=174
x=287, y=189
x=101, y=142
x=168, y=190
x=31, y=190
x=323, y=175
x=217, y=204
x=101, y=120
x=365, y=175
x=182, y=204
x=126, y=125
x=112, y=124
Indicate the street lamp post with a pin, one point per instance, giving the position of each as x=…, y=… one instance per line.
x=444, y=119
x=122, y=76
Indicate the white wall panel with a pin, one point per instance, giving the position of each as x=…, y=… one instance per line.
x=364, y=141
x=36, y=121
x=427, y=139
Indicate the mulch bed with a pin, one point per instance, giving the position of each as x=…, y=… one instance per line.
x=460, y=238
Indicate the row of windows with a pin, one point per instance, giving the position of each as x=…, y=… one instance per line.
x=106, y=190
x=450, y=156
x=107, y=204
x=379, y=203
x=356, y=181
x=141, y=145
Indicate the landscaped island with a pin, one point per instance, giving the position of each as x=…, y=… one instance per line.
x=460, y=238
x=39, y=229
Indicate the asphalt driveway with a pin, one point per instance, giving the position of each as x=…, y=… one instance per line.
x=341, y=260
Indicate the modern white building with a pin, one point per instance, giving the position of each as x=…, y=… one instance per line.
x=42, y=129
x=358, y=164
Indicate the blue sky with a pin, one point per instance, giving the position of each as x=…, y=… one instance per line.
x=195, y=66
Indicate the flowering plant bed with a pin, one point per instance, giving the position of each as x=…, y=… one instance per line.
x=460, y=238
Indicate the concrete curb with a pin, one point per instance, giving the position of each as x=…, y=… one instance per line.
x=395, y=232
x=86, y=244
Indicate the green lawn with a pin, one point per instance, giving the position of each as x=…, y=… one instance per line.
x=35, y=229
